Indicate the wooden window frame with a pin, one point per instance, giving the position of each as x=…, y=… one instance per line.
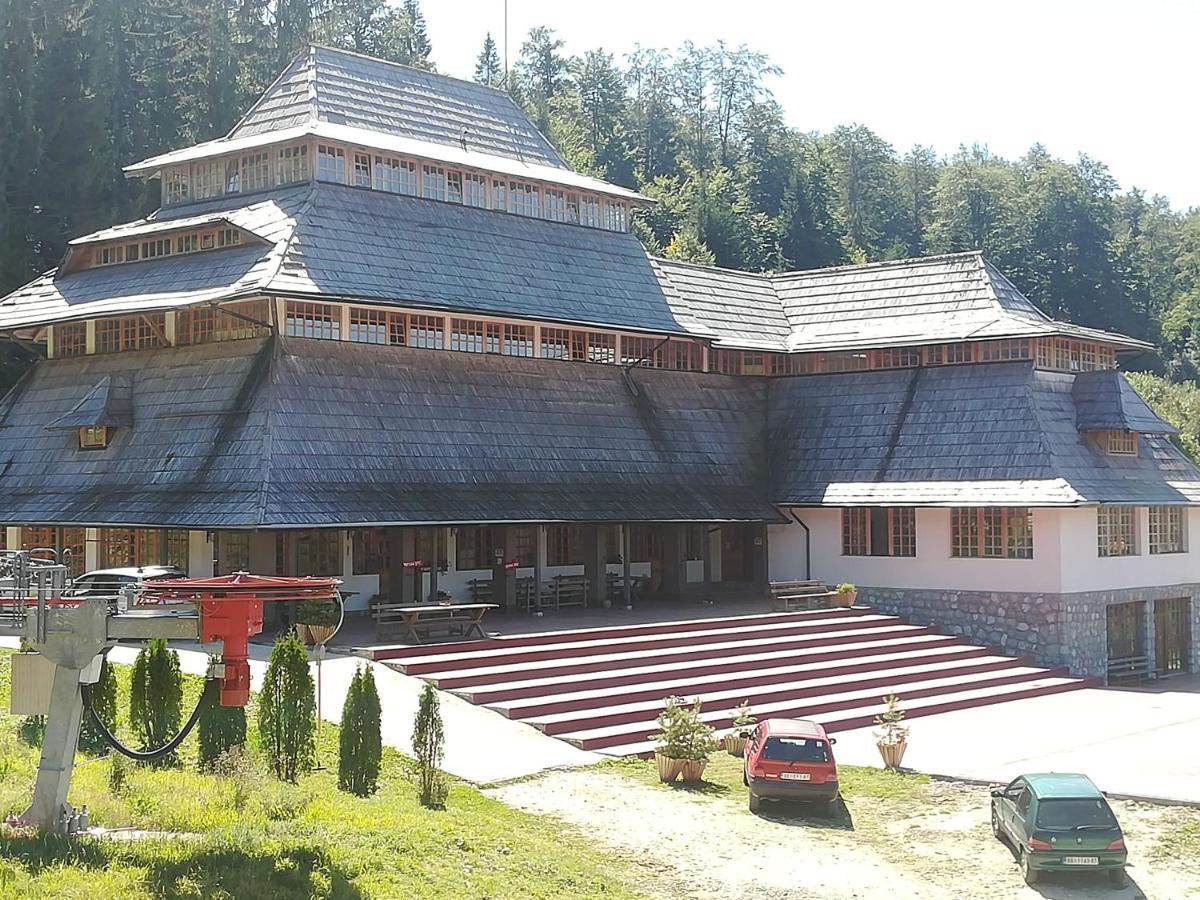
x=473, y=548
x=331, y=164
x=426, y=332
x=468, y=335
x=1121, y=443
x=93, y=437
x=70, y=339
x=518, y=340
x=991, y=532
x=1167, y=530
x=361, y=170
x=1116, y=531
x=291, y=165
x=901, y=541
x=314, y=321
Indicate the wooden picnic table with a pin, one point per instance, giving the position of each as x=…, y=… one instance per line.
x=465, y=619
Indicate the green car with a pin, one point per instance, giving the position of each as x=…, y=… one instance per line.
x=1059, y=823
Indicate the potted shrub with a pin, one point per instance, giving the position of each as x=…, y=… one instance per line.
x=845, y=594
x=743, y=724
x=892, y=736
x=684, y=741
x=317, y=620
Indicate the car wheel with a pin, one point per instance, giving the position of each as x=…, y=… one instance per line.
x=829, y=808
x=1027, y=869
x=755, y=803
x=996, y=825
x=745, y=780
x=1117, y=878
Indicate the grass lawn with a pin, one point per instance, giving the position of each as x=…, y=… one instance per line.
x=247, y=835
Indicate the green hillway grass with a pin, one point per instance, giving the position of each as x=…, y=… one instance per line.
x=251, y=836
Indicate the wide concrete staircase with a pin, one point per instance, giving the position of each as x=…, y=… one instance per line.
x=601, y=688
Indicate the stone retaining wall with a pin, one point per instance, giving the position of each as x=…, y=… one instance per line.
x=1052, y=629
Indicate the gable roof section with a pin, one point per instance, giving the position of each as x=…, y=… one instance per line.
x=169, y=282
x=287, y=432
x=1106, y=401
x=109, y=403
x=997, y=434
x=343, y=88
x=728, y=306
x=958, y=297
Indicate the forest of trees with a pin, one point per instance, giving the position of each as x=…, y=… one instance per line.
x=89, y=85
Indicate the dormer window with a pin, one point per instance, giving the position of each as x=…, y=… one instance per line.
x=93, y=437
x=362, y=170
x=176, y=185
x=1121, y=443
x=292, y=164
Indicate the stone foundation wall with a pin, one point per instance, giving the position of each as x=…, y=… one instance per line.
x=1020, y=624
x=1052, y=629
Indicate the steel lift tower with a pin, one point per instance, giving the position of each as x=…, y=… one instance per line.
x=71, y=635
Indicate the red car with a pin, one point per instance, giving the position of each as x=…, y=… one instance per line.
x=791, y=759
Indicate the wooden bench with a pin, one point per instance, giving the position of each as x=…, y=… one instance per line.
x=1129, y=668
x=792, y=596
x=616, y=588
x=423, y=619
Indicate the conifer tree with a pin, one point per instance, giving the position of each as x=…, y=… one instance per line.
x=220, y=729
x=427, y=742
x=287, y=710
x=155, y=697
x=104, y=702
x=361, y=743
x=419, y=48
x=488, y=68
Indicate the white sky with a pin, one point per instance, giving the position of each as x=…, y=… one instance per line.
x=1119, y=81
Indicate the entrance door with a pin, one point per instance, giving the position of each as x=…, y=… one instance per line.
x=1172, y=635
x=734, y=550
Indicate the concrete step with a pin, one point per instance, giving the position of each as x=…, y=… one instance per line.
x=846, y=704
x=852, y=656
x=567, y=665
x=577, y=647
x=764, y=685
x=395, y=652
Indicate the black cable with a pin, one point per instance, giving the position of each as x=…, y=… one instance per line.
x=206, y=697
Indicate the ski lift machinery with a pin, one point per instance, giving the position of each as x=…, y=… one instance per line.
x=70, y=636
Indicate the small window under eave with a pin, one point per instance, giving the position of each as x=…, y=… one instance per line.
x=93, y=437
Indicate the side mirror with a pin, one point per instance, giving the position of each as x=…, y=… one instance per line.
x=832, y=741
x=997, y=792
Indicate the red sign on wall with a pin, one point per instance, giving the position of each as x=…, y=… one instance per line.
x=414, y=564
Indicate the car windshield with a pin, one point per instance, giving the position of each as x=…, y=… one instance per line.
x=796, y=749
x=1074, y=815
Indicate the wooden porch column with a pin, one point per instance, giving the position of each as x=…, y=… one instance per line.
x=504, y=580
x=674, y=547
x=706, y=557
x=539, y=564
x=409, y=580
x=627, y=589
x=758, y=556
x=595, y=566
x=435, y=540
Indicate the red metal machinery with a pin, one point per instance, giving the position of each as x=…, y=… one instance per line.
x=231, y=611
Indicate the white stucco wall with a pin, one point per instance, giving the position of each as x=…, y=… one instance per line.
x=1085, y=570
x=1064, y=557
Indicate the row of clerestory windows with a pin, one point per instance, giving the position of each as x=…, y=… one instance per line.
x=262, y=169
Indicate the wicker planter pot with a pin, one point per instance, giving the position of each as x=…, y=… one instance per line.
x=315, y=634
x=692, y=770
x=668, y=767
x=735, y=744
x=845, y=599
x=892, y=753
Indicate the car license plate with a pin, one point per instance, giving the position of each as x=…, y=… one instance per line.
x=1081, y=860
x=795, y=776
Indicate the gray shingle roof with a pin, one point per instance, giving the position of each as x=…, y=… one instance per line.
x=294, y=432
x=959, y=297
x=345, y=242
x=109, y=403
x=996, y=434
x=343, y=88
x=1106, y=401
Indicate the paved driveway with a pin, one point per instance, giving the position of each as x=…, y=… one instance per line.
x=1131, y=742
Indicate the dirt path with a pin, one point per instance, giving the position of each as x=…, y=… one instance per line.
x=711, y=846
